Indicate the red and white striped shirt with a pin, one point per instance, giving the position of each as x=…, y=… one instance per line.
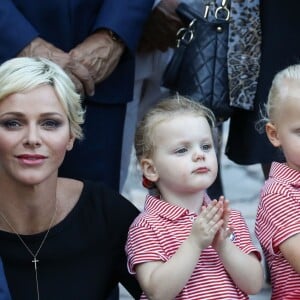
x=278, y=218
x=157, y=233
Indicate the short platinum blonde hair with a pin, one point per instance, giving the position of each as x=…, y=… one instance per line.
x=278, y=93
x=22, y=74
x=164, y=110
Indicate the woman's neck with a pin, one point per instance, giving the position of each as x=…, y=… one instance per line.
x=27, y=208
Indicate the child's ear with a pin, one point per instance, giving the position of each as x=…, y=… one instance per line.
x=149, y=169
x=272, y=134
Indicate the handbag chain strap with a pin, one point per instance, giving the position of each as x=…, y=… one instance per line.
x=222, y=11
x=186, y=34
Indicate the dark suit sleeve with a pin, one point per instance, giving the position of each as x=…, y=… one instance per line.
x=126, y=18
x=4, y=292
x=15, y=31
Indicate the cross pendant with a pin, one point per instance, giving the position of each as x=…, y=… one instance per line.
x=35, y=261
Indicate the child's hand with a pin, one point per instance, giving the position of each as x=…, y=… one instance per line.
x=224, y=232
x=207, y=224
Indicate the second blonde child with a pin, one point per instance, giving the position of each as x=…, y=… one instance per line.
x=278, y=217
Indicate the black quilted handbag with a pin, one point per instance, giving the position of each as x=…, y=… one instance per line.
x=198, y=67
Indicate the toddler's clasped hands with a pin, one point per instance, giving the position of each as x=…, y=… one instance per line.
x=210, y=228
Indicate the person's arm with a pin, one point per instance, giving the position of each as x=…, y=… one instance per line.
x=284, y=225
x=290, y=250
x=16, y=31
x=117, y=27
x=120, y=214
x=236, y=261
x=99, y=53
x=125, y=18
x=129, y=281
x=19, y=37
x=176, y=272
x=79, y=74
x=160, y=31
x=4, y=291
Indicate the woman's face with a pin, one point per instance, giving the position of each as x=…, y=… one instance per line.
x=34, y=135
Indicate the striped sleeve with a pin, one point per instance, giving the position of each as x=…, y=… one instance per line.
x=143, y=245
x=241, y=234
x=278, y=218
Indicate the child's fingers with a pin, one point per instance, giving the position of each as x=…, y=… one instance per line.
x=221, y=199
x=216, y=227
x=226, y=204
x=210, y=218
x=213, y=210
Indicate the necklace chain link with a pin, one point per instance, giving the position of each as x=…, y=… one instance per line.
x=34, y=255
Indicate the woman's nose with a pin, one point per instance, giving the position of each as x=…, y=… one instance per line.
x=32, y=137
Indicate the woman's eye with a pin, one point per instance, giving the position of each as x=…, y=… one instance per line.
x=51, y=124
x=11, y=124
x=206, y=147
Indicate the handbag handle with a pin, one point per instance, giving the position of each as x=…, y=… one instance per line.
x=186, y=34
x=188, y=13
x=222, y=12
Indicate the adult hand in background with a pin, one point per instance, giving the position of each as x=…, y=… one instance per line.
x=161, y=28
x=98, y=53
x=78, y=73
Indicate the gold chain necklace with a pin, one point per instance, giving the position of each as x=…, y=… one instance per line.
x=34, y=255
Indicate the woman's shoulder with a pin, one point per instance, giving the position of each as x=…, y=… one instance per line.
x=111, y=204
x=99, y=190
x=73, y=189
x=75, y=196
x=93, y=198
x=109, y=200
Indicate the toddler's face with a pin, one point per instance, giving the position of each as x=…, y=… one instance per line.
x=184, y=157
